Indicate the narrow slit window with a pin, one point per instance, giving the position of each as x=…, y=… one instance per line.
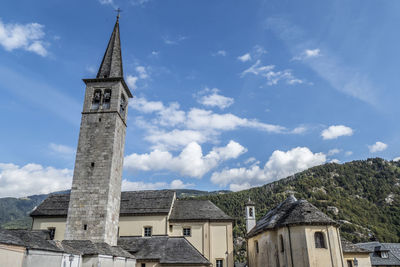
x=52, y=232
x=122, y=106
x=251, y=212
x=85, y=227
x=282, y=244
x=319, y=240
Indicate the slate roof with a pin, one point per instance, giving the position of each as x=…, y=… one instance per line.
x=87, y=247
x=393, y=250
x=197, y=210
x=348, y=247
x=163, y=249
x=132, y=203
x=291, y=212
x=29, y=239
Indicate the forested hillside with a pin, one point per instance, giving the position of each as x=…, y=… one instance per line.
x=364, y=196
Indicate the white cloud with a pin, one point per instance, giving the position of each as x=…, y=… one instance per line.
x=335, y=161
x=190, y=162
x=106, y=2
x=91, y=69
x=333, y=151
x=137, y=186
x=348, y=153
x=131, y=81
x=220, y=53
x=272, y=77
x=299, y=130
x=142, y=105
x=155, y=53
x=377, y=147
x=139, y=2
x=396, y=159
x=336, y=131
x=245, y=57
x=175, y=139
x=280, y=165
x=142, y=71
x=213, y=99
x=62, y=150
x=173, y=41
x=16, y=181
x=308, y=53
x=29, y=37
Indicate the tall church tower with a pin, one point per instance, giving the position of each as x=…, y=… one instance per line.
x=250, y=215
x=93, y=212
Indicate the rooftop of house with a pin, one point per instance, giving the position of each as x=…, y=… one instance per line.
x=197, y=210
x=37, y=239
x=40, y=240
x=149, y=202
x=348, y=247
x=392, y=251
x=163, y=249
x=291, y=212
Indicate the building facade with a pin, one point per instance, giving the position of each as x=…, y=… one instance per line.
x=295, y=233
x=93, y=212
x=154, y=214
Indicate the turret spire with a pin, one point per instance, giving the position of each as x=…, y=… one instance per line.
x=111, y=66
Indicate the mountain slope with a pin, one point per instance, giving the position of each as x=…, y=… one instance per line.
x=364, y=196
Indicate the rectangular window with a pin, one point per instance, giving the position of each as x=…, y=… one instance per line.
x=52, y=232
x=171, y=227
x=187, y=231
x=349, y=263
x=147, y=231
x=219, y=263
x=143, y=264
x=256, y=245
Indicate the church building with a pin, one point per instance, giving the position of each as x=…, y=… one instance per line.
x=154, y=226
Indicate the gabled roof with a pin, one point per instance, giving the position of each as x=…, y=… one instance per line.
x=392, y=249
x=163, y=249
x=197, y=210
x=132, y=203
x=291, y=212
x=348, y=247
x=29, y=239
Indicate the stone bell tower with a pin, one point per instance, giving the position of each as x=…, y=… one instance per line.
x=93, y=212
x=250, y=215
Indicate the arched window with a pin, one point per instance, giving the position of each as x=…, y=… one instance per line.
x=122, y=106
x=282, y=244
x=251, y=212
x=107, y=99
x=96, y=99
x=319, y=240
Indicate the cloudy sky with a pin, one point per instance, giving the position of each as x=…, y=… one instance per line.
x=228, y=94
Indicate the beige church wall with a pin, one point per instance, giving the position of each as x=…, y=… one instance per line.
x=41, y=258
x=148, y=264
x=267, y=255
x=362, y=258
x=134, y=225
x=330, y=256
x=45, y=223
x=11, y=256
x=294, y=246
x=221, y=243
x=197, y=233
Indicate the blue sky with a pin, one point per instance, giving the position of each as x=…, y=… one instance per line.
x=228, y=94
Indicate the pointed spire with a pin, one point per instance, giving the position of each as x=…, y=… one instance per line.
x=111, y=66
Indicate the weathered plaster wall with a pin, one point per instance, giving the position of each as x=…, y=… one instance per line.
x=11, y=256
x=134, y=225
x=45, y=223
x=363, y=259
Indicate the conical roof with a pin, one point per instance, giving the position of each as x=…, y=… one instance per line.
x=111, y=66
x=291, y=212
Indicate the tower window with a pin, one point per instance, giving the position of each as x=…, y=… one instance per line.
x=85, y=227
x=256, y=245
x=282, y=244
x=251, y=212
x=122, y=106
x=219, y=263
x=92, y=164
x=171, y=227
x=107, y=99
x=143, y=265
x=147, y=231
x=52, y=232
x=187, y=231
x=96, y=99
x=319, y=240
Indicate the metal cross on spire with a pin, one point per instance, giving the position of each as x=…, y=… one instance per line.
x=118, y=10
